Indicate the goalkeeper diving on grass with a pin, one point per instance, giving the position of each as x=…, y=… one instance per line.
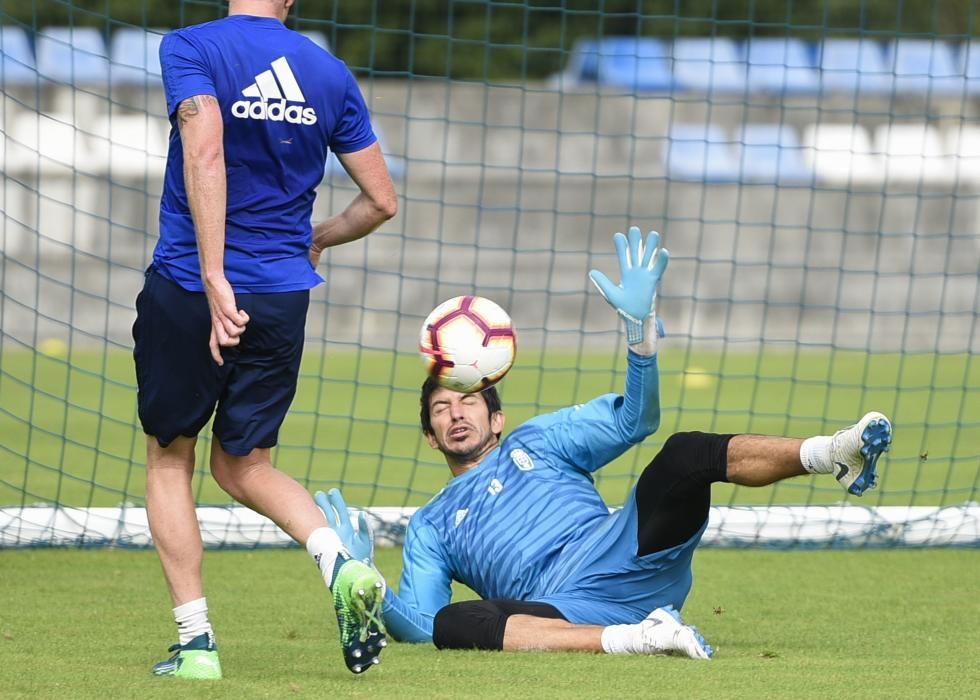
x=522, y=524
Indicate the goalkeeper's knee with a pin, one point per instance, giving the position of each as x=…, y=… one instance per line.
x=480, y=624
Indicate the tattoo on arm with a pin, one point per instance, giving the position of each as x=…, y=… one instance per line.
x=191, y=107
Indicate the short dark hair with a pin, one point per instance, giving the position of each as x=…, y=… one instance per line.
x=490, y=396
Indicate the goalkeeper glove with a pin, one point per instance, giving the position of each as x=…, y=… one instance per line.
x=634, y=298
x=359, y=542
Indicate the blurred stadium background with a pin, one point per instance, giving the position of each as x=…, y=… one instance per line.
x=814, y=169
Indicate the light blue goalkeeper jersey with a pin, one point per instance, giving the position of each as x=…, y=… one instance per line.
x=528, y=524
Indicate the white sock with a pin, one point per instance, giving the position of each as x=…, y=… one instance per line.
x=815, y=455
x=192, y=620
x=324, y=546
x=620, y=639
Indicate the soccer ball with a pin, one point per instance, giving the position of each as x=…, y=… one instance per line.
x=467, y=344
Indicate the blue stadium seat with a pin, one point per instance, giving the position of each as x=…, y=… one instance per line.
x=963, y=143
x=709, y=64
x=16, y=57
x=396, y=164
x=634, y=64
x=72, y=55
x=971, y=63
x=854, y=66
x=925, y=66
x=135, y=55
x=914, y=152
x=781, y=65
x=700, y=153
x=583, y=63
x=771, y=153
x=841, y=152
x=318, y=38
x=620, y=61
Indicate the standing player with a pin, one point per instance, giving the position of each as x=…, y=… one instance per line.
x=220, y=320
x=522, y=524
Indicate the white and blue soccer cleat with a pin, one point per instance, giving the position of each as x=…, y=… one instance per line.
x=664, y=632
x=855, y=451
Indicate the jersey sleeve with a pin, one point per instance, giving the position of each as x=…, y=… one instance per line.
x=405, y=623
x=587, y=437
x=353, y=132
x=424, y=589
x=185, y=71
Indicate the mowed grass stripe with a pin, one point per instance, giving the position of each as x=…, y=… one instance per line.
x=850, y=624
x=69, y=434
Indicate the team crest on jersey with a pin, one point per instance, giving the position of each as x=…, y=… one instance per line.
x=276, y=93
x=522, y=460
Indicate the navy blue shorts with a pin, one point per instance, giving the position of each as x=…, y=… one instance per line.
x=180, y=386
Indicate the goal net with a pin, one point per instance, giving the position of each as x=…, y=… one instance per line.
x=814, y=171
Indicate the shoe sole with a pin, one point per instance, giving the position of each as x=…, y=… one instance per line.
x=194, y=666
x=876, y=438
x=366, y=600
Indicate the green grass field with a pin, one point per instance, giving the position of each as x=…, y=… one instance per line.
x=69, y=434
x=862, y=624
x=843, y=624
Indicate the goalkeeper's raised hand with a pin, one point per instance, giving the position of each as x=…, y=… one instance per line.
x=359, y=542
x=634, y=298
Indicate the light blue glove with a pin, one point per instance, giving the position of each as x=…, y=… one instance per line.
x=359, y=542
x=640, y=270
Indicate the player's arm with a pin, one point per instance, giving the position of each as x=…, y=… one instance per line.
x=191, y=103
x=205, y=181
x=374, y=204
x=425, y=583
x=356, y=147
x=424, y=589
x=591, y=435
x=587, y=437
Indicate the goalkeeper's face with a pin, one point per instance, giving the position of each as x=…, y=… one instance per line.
x=463, y=428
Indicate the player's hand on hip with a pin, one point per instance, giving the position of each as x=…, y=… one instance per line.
x=315, y=254
x=359, y=542
x=640, y=268
x=227, y=320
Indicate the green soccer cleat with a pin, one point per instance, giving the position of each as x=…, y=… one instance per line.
x=358, y=591
x=196, y=660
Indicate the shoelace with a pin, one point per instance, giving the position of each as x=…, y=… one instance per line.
x=373, y=616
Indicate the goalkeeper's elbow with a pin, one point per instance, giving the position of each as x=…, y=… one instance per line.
x=642, y=430
x=635, y=428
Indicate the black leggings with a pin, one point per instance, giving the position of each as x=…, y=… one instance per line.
x=673, y=494
x=480, y=624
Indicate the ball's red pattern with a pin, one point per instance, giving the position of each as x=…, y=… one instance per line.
x=468, y=343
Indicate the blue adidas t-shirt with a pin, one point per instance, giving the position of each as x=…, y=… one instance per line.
x=285, y=101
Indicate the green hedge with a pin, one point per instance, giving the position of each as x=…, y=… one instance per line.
x=474, y=39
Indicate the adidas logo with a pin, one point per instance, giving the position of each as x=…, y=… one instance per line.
x=273, y=91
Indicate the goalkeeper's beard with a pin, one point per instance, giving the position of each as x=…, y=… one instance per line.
x=464, y=456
